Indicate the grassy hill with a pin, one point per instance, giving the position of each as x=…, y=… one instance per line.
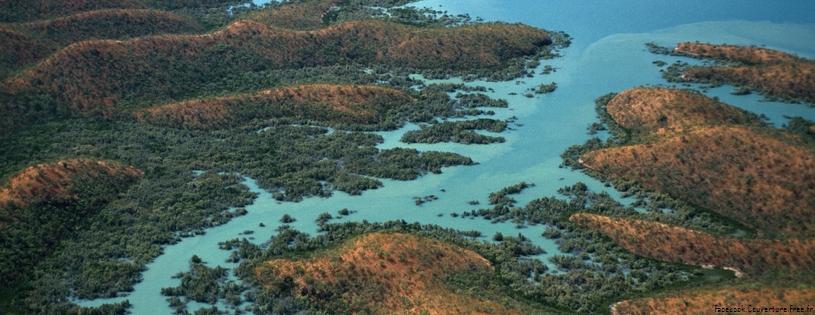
x=18, y=50
x=747, y=55
x=12, y=11
x=123, y=80
x=715, y=155
x=722, y=159
x=44, y=203
x=750, y=176
x=54, y=182
x=319, y=102
x=27, y=43
x=676, y=244
x=775, y=74
x=705, y=301
x=92, y=77
x=306, y=15
x=107, y=24
x=385, y=273
x=665, y=111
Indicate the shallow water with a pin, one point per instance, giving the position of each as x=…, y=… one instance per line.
x=607, y=55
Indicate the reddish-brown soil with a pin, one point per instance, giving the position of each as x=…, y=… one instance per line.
x=749, y=55
x=53, y=180
x=90, y=77
x=17, y=49
x=96, y=25
x=300, y=16
x=747, y=175
x=705, y=301
x=321, y=102
x=669, y=110
x=33, y=10
x=389, y=274
x=772, y=73
x=676, y=244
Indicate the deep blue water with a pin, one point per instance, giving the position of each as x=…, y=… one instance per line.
x=607, y=55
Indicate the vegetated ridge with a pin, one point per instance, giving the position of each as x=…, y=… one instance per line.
x=305, y=15
x=758, y=177
x=719, y=158
x=765, y=299
x=91, y=77
x=747, y=55
x=95, y=240
x=27, y=43
x=320, y=102
x=53, y=182
x=46, y=202
x=108, y=24
x=676, y=244
x=12, y=11
x=665, y=111
x=383, y=273
x=17, y=50
x=747, y=175
x=775, y=74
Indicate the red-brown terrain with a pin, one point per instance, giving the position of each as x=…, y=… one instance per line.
x=676, y=244
x=90, y=77
x=386, y=273
x=775, y=74
x=53, y=182
x=320, y=102
x=758, y=177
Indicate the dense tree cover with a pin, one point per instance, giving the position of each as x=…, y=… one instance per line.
x=480, y=100
x=457, y=131
x=593, y=258
x=170, y=202
x=203, y=284
x=802, y=127
x=394, y=11
x=546, y=88
x=47, y=203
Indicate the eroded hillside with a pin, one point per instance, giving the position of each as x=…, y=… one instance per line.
x=764, y=299
x=711, y=153
x=676, y=244
x=383, y=273
x=318, y=102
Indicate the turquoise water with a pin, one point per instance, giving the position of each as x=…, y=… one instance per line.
x=607, y=55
